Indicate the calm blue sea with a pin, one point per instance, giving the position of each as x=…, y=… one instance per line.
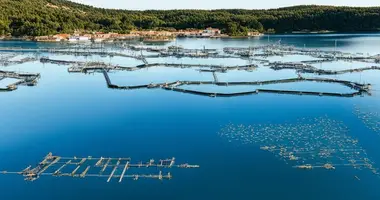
x=77, y=115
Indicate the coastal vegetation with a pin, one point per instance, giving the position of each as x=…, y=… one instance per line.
x=46, y=17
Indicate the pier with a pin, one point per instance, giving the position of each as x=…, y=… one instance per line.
x=90, y=164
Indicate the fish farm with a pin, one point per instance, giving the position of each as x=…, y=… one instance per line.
x=103, y=167
x=369, y=117
x=309, y=143
x=257, y=57
x=27, y=79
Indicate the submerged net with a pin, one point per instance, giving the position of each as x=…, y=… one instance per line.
x=309, y=143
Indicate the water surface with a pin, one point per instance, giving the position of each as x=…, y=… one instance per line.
x=77, y=115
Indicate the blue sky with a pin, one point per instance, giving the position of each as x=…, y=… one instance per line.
x=215, y=4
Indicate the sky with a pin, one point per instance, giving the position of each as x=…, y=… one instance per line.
x=217, y=4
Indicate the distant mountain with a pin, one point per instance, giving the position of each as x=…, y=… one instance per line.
x=45, y=17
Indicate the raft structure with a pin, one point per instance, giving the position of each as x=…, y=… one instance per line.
x=83, y=51
x=279, y=49
x=84, y=67
x=256, y=56
x=361, y=89
x=27, y=79
x=302, y=67
x=254, y=52
x=103, y=167
x=9, y=59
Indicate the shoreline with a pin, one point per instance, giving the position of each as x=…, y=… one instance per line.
x=32, y=38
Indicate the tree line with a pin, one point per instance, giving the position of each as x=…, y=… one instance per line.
x=46, y=17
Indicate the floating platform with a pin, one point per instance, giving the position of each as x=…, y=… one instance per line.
x=27, y=79
x=85, y=167
x=6, y=62
x=213, y=69
x=303, y=67
x=174, y=86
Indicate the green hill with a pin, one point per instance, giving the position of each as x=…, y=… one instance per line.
x=45, y=17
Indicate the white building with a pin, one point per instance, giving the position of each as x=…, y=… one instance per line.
x=73, y=39
x=79, y=39
x=83, y=38
x=209, y=32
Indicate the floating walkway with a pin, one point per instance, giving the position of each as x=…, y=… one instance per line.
x=361, y=89
x=72, y=51
x=265, y=51
x=97, y=167
x=175, y=86
x=6, y=62
x=305, y=68
x=179, y=52
x=283, y=50
x=80, y=66
x=24, y=79
x=249, y=67
x=302, y=67
x=241, y=52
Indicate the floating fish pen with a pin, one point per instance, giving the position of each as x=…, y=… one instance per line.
x=302, y=67
x=262, y=51
x=169, y=49
x=58, y=62
x=27, y=79
x=192, y=55
x=220, y=67
x=175, y=86
x=98, y=167
x=76, y=52
x=317, y=61
x=80, y=66
x=243, y=53
x=180, y=52
x=276, y=49
x=145, y=48
x=283, y=50
x=7, y=62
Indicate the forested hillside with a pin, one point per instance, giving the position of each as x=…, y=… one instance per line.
x=44, y=17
